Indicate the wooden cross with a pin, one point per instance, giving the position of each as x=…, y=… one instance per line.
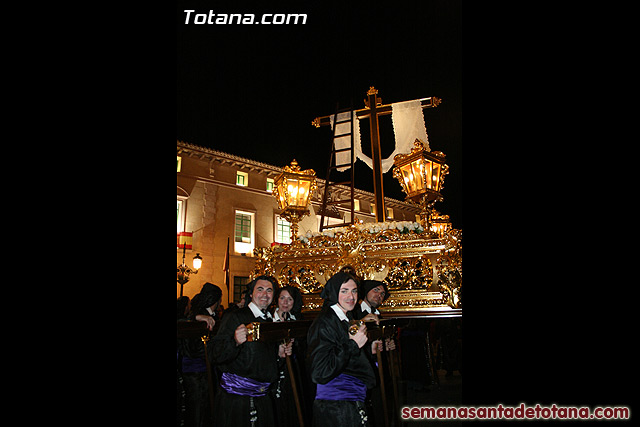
x=373, y=109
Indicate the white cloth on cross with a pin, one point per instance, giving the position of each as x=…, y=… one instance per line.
x=408, y=124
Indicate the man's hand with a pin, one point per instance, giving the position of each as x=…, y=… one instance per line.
x=285, y=349
x=390, y=344
x=205, y=318
x=240, y=334
x=376, y=346
x=371, y=318
x=361, y=336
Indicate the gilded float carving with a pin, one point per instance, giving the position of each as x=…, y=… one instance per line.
x=421, y=269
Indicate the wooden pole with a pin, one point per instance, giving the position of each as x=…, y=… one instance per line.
x=394, y=372
x=294, y=387
x=376, y=157
x=205, y=338
x=382, y=389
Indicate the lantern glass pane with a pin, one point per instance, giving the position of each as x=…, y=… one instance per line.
x=407, y=178
x=303, y=192
x=435, y=178
x=292, y=192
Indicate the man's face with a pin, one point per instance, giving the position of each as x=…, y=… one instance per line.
x=262, y=294
x=285, y=302
x=375, y=296
x=348, y=295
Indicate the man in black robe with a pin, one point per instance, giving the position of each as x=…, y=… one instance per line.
x=248, y=368
x=340, y=363
x=372, y=294
x=193, y=360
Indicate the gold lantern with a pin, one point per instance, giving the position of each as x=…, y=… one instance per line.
x=293, y=189
x=421, y=174
x=440, y=223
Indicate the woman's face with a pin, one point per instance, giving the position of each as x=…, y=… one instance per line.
x=285, y=302
x=348, y=295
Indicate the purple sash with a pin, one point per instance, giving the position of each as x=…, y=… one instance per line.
x=193, y=364
x=243, y=386
x=342, y=387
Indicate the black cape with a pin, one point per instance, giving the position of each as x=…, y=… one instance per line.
x=331, y=352
x=256, y=360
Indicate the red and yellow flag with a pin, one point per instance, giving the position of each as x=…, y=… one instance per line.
x=185, y=238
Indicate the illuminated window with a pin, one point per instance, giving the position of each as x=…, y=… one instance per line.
x=244, y=232
x=179, y=163
x=180, y=216
x=356, y=205
x=242, y=178
x=270, y=185
x=283, y=230
x=390, y=213
x=243, y=227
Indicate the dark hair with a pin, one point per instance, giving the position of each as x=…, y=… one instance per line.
x=209, y=295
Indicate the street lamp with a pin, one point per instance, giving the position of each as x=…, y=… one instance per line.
x=184, y=270
x=421, y=174
x=293, y=189
x=197, y=262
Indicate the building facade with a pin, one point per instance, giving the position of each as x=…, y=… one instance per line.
x=225, y=198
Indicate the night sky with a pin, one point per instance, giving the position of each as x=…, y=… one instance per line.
x=253, y=90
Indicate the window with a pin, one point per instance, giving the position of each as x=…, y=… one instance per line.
x=243, y=227
x=242, y=178
x=179, y=163
x=390, y=213
x=180, y=215
x=239, y=287
x=270, y=185
x=283, y=230
x=372, y=208
x=356, y=205
x=244, y=232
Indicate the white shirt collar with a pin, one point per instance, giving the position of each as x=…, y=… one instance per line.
x=366, y=307
x=257, y=312
x=339, y=312
x=210, y=311
x=277, y=318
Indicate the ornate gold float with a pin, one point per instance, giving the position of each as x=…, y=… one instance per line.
x=422, y=270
